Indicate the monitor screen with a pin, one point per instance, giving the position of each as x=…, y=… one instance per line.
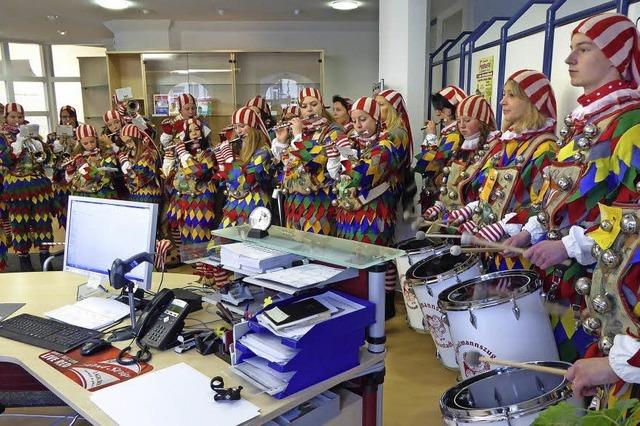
x=99, y=231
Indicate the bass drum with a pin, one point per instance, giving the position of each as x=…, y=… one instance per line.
x=416, y=250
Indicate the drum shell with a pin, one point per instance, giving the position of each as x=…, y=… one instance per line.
x=522, y=403
x=498, y=333
x=427, y=291
x=414, y=314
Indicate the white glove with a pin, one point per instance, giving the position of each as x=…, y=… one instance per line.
x=57, y=147
x=125, y=167
x=167, y=165
x=18, y=145
x=165, y=139
x=115, y=148
x=84, y=169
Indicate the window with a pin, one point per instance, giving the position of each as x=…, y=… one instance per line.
x=69, y=93
x=25, y=60
x=3, y=93
x=30, y=94
x=65, y=59
x=42, y=121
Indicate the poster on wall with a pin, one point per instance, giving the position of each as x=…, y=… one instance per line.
x=484, y=77
x=160, y=105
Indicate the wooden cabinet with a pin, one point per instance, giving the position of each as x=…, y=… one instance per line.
x=95, y=89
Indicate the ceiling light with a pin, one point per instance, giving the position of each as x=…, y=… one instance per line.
x=146, y=56
x=296, y=12
x=220, y=12
x=344, y=4
x=62, y=32
x=145, y=11
x=52, y=17
x=114, y=4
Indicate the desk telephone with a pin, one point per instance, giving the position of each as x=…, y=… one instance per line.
x=162, y=320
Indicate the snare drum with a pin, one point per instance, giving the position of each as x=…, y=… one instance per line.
x=499, y=315
x=432, y=275
x=416, y=250
x=505, y=396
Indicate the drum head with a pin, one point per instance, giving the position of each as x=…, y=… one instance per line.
x=415, y=244
x=489, y=290
x=441, y=262
x=512, y=390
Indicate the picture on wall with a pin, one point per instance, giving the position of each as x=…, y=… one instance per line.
x=160, y=105
x=484, y=78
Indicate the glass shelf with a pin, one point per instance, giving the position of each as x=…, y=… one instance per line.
x=336, y=251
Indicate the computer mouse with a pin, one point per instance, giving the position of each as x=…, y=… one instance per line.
x=93, y=346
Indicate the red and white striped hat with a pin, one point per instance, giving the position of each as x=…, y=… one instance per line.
x=538, y=89
x=397, y=101
x=292, y=109
x=368, y=105
x=184, y=99
x=186, y=123
x=617, y=37
x=245, y=115
x=453, y=94
x=85, y=131
x=310, y=91
x=476, y=107
x=132, y=131
x=13, y=107
x=260, y=103
x=112, y=114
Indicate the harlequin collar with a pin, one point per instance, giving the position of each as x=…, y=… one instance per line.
x=605, y=91
x=548, y=127
x=451, y=127
x=471, y=142
x=605, y=100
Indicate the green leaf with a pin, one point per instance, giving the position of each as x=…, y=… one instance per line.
x=560, y=414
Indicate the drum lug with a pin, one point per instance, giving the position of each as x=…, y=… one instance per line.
x=445, y=319
x=429, y=290
x=472, y=319
x=515, y=309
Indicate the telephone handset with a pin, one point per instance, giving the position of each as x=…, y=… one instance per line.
x=161, y=321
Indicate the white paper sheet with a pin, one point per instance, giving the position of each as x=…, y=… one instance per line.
x=172, y=396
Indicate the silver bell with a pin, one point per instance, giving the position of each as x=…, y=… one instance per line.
x=590, y=131
x=553, y=235
x=492, y=217
x=568, y=121
x=485, y=146
x=596, y=251
x=638, y=187
x=476, y=158
x=560, y=142
x=583, y=286
x=520, y=159
x=610, y=258
x=629, y=224
x=605, y=344
x=496, y=157
x=334, y=190
x=564, y=183
x=577, y=156
x=583, y=143
x=542, y=217
x=508, y=177
x=499, y=193
x=446, y=171
x=427, y=193
x=334, y=203
x=444, y=181
x=592, y=326
x=564, y=132
x=443, y=190
x=308, y=190
x=606, y=225
x=477, y=210
x=601, y=303
x=453, y=195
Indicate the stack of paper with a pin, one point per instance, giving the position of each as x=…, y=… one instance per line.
x=92, y=312
x=268, y=347
x=270, y=380
x=253, y=259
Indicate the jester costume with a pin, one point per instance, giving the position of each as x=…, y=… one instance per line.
x=365, y=202
x=27, y=193
x=90, y=174
x=61, y=187
x=139, y=166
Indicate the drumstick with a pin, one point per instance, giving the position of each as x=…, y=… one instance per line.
x=474, y=359
x=427, y=223
x=421, y=235
x=470, y=239
x=457, y=250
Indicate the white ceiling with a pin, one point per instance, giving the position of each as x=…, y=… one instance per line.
x=83, y=19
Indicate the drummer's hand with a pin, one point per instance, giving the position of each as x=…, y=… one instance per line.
x=547, y=253
x=587, y=373
x=521, y=239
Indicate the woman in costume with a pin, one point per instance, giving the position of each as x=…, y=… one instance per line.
x=26, y=192
x=340, y=110
x=261, y=107
x=306, y=181
x=91, y=170
x=436, y=151
x=138, y=160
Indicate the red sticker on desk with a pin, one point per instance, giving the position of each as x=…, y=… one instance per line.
x=94, y=372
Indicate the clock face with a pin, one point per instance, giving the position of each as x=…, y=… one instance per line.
x=260, y=218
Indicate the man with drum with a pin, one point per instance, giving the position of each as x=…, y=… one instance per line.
x=597, y=164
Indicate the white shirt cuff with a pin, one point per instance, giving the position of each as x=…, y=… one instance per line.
x=534, y=228
x=624, y=347
x=578, y=245
x=277, y=148
x=510, y=228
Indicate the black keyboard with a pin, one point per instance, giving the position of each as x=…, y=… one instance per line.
x=45, y=333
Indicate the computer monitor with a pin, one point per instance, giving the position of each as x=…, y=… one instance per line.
x=99, y=231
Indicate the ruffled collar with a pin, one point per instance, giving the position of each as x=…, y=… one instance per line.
x=451, y=127
x=548, y=127
x=605, y=99
x=471, y=142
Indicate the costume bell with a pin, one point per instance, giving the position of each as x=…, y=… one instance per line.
x=93, y=165
x=306, y=181
x=27, y=192
x=139, y=160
